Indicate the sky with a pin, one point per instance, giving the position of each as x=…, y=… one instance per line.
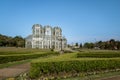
x=81, y=20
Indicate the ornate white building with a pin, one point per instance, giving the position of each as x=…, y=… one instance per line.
x=46, y=37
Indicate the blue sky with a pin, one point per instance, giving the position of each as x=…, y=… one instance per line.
x=80, y=20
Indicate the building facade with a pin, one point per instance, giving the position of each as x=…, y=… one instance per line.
x=46, y=37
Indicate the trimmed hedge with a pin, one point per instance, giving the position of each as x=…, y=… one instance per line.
x=11, y=58
x=14, y=53
x=50, y=67
x=22, y=52
x=99, y=54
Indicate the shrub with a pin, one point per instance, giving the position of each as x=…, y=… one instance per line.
x=11, y=58
x=72, y=66
x=99, y=54
x=67, y=51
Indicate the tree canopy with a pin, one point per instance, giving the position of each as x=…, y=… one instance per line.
x=7, y=41
x=110, y=45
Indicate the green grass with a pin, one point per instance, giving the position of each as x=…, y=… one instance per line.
x=5, y=65
x=20, y=51
x=67, y=57
x=18, y=54
x=13, y=56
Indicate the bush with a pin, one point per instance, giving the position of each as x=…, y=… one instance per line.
x=17, y=57
x=67, y=51
x=71, y=66
x=99, y=54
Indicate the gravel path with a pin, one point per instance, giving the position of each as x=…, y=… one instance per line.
x=14, y=70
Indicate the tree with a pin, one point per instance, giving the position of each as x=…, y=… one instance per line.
x=19, y=41
x=118, y=45
x=112, y=44
x=68, y=45
x=6, y=41
x=80, y=45
x=53, y=47
x=89, y=45
x=76, y=44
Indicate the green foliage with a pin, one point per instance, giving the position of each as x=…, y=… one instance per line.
x=6, y=41
x=71, y=66
x=76, y=44
x=98, y=54
x=80, y=45
x=53, y=47
x=23, y=56
x=19, y=51
x=110, y=45
x=89, y=45
x=19, y=41
x=13, y=63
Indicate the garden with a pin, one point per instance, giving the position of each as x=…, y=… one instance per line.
x=75, y=64
x=50, y=65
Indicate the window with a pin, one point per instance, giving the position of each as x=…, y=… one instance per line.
x=37, y=31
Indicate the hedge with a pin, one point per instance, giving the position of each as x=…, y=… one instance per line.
x=99, y=54
x=11, y=58
x=41, y=68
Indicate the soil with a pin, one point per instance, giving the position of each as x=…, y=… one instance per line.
x=14, y=71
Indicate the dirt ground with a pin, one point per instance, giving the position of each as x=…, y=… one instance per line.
x=14, y=70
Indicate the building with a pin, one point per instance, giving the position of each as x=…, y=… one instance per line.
x=46, y=38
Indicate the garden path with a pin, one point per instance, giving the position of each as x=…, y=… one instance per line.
x=14, y=71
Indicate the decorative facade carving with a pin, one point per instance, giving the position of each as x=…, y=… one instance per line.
x=46, y=38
